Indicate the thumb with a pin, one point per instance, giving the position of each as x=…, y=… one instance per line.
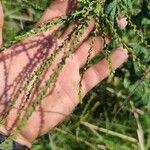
x=1, y=24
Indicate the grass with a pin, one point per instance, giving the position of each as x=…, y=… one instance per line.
x=97, y=123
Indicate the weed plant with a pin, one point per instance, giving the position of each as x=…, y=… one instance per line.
x=116, y=113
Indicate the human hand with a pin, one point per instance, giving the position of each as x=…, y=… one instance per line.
x=22, y=59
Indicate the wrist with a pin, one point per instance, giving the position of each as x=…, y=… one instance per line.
x=19, y=139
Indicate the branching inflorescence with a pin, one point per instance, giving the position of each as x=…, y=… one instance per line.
x=105, y=13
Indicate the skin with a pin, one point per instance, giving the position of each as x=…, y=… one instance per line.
x=22, y=59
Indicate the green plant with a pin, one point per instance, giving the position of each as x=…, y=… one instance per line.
x=135, y=39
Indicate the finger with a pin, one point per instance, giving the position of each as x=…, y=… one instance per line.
x=85, y=34
x=100, y=71
x=82, y=52
x=57, y=9
x=68, y=31
x=1, y=24
x=122, y=22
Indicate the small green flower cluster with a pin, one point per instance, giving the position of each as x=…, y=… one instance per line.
x=105, y=13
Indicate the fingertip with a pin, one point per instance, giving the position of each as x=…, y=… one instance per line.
x=122, y=22
x=119, y=56
x=123, y=52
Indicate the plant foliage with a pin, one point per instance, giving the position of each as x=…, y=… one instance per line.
x=116, y=112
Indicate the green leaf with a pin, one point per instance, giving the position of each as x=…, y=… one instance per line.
x=111, y=10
